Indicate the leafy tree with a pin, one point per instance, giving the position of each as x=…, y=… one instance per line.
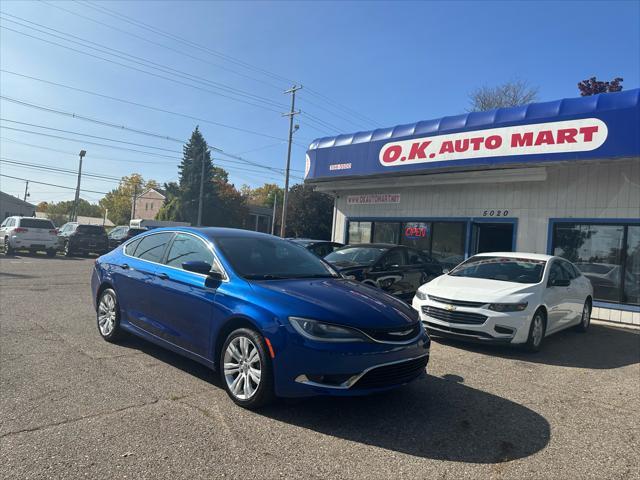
x=222, y=203
x=309, y=213
x=264, y=195
x=118, y=201
x=59, y=212
x=509, y=94
x=591, y=86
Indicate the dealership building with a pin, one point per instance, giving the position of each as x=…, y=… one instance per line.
x=560, y=177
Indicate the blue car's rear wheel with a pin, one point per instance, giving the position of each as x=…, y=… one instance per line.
x=246, y=369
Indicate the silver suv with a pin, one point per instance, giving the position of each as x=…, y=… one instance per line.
x=28, y=233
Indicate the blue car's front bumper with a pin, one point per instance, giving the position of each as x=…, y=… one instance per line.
x=306, y=368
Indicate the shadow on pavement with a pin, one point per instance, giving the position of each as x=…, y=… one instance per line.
x=602, y=347
x=437, y=418
x=167, y=356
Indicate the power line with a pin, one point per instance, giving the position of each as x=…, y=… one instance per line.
x=219, y=161
x=50, y=184
x=180, y=52
x=138, y=60
x=135, y=68
x=141, y=105
x=229, y=58
x=219, y=151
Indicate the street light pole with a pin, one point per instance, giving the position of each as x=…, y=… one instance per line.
x=74, y=217
x=26, y=190
x=285, y=198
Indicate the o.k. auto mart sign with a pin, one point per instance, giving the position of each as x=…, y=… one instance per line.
x=600, y=127
x=554, y=137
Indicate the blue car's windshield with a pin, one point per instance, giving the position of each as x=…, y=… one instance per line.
x=506, y=269
x=271, y=258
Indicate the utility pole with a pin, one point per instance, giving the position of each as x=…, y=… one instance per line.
x=74, y=216
x=275, y=208
x=204, y=150
x=26, y=190
x=291, y=114
x=135, y=199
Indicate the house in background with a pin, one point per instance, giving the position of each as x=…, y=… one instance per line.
x=259, y=218
x=10, y=206
x=148, y=204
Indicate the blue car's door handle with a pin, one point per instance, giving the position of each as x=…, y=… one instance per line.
x=125, y=266
x=162, y=276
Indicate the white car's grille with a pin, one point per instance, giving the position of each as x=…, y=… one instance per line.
x=459, y=303
x=453, y=316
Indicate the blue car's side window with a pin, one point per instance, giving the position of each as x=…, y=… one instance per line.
x=187, y=248
x=152, y=247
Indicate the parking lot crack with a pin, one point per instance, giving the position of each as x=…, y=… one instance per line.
x=78, y=419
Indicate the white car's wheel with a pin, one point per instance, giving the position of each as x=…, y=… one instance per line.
x=536, y=331
x=585, y=320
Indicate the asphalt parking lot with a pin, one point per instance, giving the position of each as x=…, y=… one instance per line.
x=74, y=406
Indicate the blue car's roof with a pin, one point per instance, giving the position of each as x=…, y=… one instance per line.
x=216, y=232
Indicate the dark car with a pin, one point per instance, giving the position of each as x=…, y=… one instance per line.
x=396, y=269
x=321, y=248
x=121, y=234
x=75, y=238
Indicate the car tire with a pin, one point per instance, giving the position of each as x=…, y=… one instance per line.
x=537, y=330
x=7, y=247
x=585, y=319
x=247, y=376
x=67, y=249
x=108, y=316
x=51, y=252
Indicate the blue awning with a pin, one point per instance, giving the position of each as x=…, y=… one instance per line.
x=600, y=126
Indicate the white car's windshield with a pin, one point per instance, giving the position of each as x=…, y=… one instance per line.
x=506, y=269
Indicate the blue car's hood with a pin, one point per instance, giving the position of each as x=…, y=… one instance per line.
x=337, y=301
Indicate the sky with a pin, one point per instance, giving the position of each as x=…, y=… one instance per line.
x=225, y=66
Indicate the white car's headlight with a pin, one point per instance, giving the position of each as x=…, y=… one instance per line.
x=421, y=295
x=508, y=307
x=325, y=332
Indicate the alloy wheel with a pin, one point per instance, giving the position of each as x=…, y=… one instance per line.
x=586, y=315
x=242, y=367
x=538, y=330
x=107, y=314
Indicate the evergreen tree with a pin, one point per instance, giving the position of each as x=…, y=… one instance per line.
x=190, y=169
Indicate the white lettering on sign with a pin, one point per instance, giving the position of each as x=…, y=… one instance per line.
x=340, y=166
x=553, y=137
x=373, y=199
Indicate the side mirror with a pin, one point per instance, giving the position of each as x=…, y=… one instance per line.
x=197, y=266
x=559, y=282
x=215, y=276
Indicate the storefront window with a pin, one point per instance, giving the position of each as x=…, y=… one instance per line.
x=417, y=235
x=632, y=266
x=386, y=232
x=359, y=232
x=600, y=252
x=448, y=243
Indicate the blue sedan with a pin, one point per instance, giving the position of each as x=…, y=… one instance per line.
x=271, y=317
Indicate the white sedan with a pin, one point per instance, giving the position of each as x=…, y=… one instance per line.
x=514, y=298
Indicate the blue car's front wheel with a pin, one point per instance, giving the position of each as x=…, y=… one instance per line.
x=246, y=369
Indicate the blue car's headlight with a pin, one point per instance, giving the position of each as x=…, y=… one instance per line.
x=508, y=307
x=325, y=332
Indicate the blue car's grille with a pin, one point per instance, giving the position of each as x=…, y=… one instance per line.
x=454, y=316
x=396, y=334
x=395, y=374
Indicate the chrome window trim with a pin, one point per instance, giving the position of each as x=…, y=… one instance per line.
x=208, y=243
x=347, y=384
